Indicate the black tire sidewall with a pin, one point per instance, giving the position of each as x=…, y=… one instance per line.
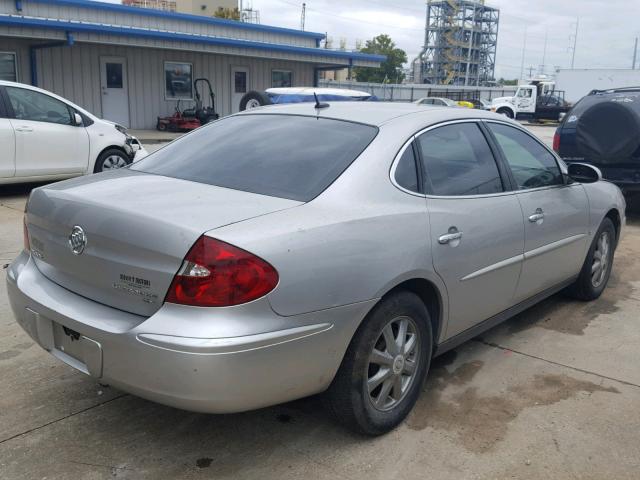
x=370, y=420
x=506, y=112
x=112, y=151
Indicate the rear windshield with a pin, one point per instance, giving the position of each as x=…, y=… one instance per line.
x=285, y=156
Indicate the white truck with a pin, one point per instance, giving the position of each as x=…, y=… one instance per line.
x=537, y=100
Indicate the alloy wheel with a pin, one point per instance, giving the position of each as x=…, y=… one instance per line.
x=112, y=162
x=253, y=103
x=393, y=363
x=601, y=260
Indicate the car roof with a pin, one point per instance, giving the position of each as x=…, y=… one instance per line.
x=375, y=113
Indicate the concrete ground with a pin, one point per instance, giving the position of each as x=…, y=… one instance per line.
x=552, y=393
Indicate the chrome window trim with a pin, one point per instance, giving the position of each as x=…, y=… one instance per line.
x=394, y=167
x=443, y=197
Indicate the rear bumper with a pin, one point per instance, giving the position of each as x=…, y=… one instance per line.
x=192, y=367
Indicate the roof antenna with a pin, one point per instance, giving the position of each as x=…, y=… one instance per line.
x=319, y=105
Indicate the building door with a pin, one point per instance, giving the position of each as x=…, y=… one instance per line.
x=113, y=86
x=239, y=86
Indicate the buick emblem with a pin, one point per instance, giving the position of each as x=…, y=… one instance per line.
x=77, y=240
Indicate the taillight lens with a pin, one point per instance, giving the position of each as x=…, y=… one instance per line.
x=25, y=232
x=556, y=142
x=216, y=274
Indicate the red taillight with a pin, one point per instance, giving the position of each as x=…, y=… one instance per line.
x=556, y=142
x=216, y=274
x=27, y=244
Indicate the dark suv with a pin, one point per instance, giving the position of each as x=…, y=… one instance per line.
x=603, y=129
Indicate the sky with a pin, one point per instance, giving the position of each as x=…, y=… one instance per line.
x=606, y=34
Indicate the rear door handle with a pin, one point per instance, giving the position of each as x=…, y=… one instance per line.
x=452, y=236
x=537, y=217
x=24, y=129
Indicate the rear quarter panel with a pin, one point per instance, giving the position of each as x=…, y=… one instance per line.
x=353, y=243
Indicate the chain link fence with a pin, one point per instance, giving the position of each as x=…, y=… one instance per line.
x=412, y=92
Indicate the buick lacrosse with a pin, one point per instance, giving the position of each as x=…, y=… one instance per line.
x=298, y=249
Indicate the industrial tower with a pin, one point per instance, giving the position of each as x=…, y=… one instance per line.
x=460, y=43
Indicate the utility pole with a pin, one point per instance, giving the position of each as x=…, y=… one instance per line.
x=544, y=52
x=302, y=15
x=524, y=51
x=575, y=42
x=635, y=54
x=531, y=68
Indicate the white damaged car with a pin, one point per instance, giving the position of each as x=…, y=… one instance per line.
x=46, y=137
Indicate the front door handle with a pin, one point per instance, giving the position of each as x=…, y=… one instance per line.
x=24, y=128
x=452, y=237
x=537, y=217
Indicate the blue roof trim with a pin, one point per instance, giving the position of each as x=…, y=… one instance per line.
x=114, y=7
x=185, y=37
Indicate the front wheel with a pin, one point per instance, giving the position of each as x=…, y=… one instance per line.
x=110, y=160
x=596, y=269
x=506, y=112
x=382, y=373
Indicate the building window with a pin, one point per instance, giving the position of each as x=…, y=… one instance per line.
x=281, y=78
x=8, y=70
x=178, y=78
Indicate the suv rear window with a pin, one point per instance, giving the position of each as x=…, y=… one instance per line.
x=287, y=156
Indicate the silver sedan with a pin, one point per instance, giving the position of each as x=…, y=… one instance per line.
x=299, y=249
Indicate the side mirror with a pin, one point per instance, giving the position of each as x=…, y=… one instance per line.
x=584, y=173
x=77, y=119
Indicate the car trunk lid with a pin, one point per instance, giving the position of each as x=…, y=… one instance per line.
x=138, y=228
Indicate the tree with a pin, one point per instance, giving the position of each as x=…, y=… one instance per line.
x=228, y=13
x=390, y=70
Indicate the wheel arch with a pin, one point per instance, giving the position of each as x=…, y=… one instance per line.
x=431, y=295
x=614, y=216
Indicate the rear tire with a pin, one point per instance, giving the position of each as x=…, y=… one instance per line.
x=379, y=380
x=254, y=99
x=111, y=159
x=596, y=270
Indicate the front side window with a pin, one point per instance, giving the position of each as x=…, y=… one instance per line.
x=533, y=166
x=458, y=161
x=281, y=78
x=178, y=78
x=38, y=107
x=286, y=156
x=406, y=174
x=8, y=67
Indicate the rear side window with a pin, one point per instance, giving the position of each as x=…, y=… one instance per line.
x=406, y=174
x=285, y=156
x=458, y=161
x=533, y=166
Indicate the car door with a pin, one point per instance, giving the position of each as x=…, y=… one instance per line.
x=47, y=141
x=7, y=140
x=555, y=212
x=475, y=223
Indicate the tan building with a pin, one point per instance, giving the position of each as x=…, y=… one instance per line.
x=195, y=7
x=203, y=7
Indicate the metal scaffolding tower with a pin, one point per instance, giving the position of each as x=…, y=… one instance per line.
x=461, y=37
